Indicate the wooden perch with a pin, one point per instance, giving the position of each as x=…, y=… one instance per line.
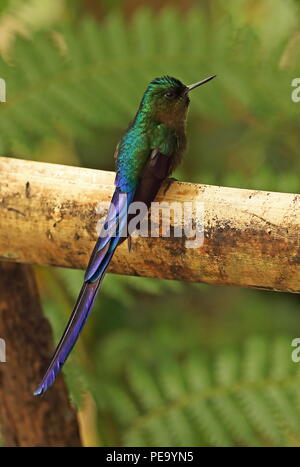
x=25, y=420
x=48, y=217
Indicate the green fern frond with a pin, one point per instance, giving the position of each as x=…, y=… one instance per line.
x=247, y=396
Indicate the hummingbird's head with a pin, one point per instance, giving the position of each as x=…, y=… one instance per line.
x=167, y=99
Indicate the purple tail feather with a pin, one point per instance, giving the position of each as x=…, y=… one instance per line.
x=100, y=259
x=77, y=320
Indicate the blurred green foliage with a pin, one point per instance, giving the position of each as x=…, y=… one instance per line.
x=168, y=363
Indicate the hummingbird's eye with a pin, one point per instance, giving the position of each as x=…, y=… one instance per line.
x=170, y=95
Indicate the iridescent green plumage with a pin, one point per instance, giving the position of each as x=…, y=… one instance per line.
x=159, y=124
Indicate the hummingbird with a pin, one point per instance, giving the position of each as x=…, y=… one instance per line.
x=146, y=155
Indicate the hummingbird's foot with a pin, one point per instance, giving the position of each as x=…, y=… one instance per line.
x=169, y=182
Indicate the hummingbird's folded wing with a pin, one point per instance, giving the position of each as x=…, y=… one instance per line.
x=156, y=170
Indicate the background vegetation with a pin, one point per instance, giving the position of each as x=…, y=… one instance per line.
x=166, y=363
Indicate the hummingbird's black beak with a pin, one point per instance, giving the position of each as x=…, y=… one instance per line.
x=195, y=85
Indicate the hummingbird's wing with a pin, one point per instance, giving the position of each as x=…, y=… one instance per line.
x=156, y=170
x=114, y=231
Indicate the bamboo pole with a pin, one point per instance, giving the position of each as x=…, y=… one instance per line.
x=251, y=238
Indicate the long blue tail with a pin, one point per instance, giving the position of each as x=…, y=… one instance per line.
x=78, y=318
x=112, y=234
